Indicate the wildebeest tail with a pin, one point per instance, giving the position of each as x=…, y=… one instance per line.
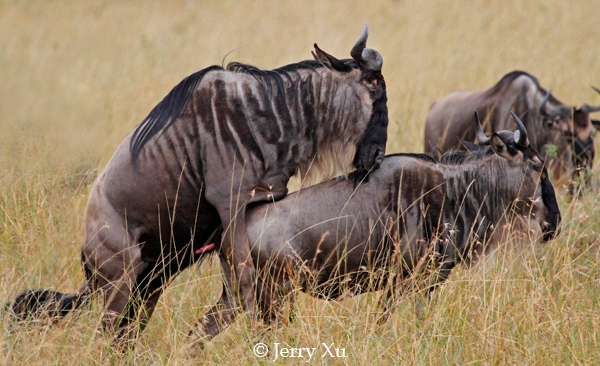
x=40, y=304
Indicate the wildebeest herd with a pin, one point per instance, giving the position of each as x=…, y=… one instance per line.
x=561, y=133
x=207, y=173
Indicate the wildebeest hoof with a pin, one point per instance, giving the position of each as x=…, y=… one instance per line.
x=191, y=349
x=381, y=318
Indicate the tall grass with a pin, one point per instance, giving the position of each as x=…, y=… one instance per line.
x=76, y=77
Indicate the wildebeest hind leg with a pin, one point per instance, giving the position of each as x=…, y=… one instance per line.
x=148, y=288
x=118, y=309
x=118, y=278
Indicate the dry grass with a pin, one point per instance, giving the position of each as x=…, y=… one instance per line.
x=76, y=77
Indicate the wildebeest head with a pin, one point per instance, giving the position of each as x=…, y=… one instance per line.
x=581, y=137
x=554, y=122
x=577, y=128
x=526, y=164
x=363, y=71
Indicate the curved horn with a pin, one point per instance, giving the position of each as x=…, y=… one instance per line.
x=562, y=111
x=483, y=139
x=368, y=58
x=586, y=108
x=521, y=133
x=544, y=101
x=360, y=45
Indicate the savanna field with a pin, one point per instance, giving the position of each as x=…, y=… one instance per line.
x=77, y=77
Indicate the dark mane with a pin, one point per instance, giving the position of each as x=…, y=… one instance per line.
x=167, y=111
x=255, y=71
x=509, y=78
x=459, y=157
x=357, y=177
x=421, y=156
x=450, y=157
x=272, y=80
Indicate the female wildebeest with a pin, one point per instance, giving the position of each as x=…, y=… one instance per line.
x=336, y=236
x=549, y=121
x=220, y=140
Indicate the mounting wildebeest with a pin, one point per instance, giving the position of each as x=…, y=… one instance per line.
x=548, y=121
x=220, y=140
x=343, y=235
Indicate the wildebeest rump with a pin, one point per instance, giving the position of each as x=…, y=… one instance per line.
x=548, y=121
x=334, y=238
x=220, y=140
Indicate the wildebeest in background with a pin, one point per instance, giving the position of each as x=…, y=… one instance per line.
x=220, y=140
x=334, y=238
x=550, y=123
x=583, y=142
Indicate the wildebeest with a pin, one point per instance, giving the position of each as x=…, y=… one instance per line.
x=340, y=236
x=553, y=126
x=220, y=140
x=583, y=142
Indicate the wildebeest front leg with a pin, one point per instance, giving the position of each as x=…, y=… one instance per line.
x=215, y=320
x=235, y=245
x=236, y=249
x=444, y=265
x=387, y=301
x=219, y=316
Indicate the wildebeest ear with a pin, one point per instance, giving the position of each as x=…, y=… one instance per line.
x=471, y=146
x=435, y=152
x=500, y=147
x=329, y=61
x=596, y=124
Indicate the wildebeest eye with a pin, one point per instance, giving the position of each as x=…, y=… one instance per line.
x=536, y=163
x=499, y=148
x=533, y=159
x=374, y=86
x=549, y=123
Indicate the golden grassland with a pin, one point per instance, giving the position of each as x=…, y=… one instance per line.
x=76, y=77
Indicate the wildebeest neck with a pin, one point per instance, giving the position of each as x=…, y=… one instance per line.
x=483, y=191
